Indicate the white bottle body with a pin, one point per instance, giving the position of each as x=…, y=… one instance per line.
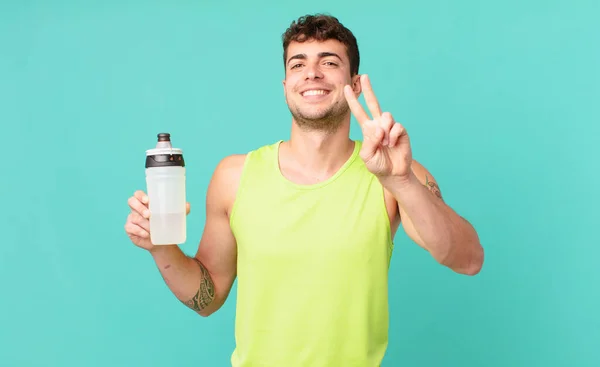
x=165, y=187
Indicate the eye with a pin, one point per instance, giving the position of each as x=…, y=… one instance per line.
x=295, y=66
x=330, y=63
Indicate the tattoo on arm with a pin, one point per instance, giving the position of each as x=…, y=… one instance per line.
x=433, y=187
x=205, y=293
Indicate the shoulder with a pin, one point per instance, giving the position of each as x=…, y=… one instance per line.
x=230, y=167
x=229, y=170
x=224, y=182
x=228, y=173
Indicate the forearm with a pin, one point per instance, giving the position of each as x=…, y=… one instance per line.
x=186, y=277
x=450, y=239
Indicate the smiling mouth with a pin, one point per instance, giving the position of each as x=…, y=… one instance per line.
x=314, y=92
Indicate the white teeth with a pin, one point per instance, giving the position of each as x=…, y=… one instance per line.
x=314, y=92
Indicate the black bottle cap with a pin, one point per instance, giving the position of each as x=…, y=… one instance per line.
x=164, y=155
x=164, y=160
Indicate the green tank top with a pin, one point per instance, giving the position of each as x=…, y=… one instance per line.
x=312, y=267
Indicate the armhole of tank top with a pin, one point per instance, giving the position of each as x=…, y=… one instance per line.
x=388, y=224
x=240, y=190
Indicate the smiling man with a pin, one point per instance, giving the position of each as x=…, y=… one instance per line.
x=307, y=225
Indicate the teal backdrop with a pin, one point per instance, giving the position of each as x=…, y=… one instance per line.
x=501, y=100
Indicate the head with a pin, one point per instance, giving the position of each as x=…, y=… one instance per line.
x=320, y=57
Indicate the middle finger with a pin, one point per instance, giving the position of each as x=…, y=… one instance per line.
x=140, y=221
x=136, y=205
x=370, y=98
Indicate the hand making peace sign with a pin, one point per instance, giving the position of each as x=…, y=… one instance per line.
x=386, y=147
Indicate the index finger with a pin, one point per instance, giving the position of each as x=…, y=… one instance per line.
x=137, y=207
x=141, y=196
x=355, y=106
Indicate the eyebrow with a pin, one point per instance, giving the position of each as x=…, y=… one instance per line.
x=321, y=55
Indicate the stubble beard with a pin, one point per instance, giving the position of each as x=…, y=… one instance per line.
x=322, y=119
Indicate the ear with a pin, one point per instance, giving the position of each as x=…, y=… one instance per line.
x=356, y=86
x=283, y=83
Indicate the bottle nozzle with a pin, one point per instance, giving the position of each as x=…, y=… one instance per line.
x=164, y=141
x=164, y=137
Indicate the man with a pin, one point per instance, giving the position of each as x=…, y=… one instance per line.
x=306, y=225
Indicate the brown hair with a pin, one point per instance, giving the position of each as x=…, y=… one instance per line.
x=322, y=27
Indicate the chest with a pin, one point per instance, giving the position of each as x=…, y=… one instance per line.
x=304, y=229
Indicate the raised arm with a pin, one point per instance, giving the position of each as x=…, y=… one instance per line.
x=434, y=225
x=387, y=153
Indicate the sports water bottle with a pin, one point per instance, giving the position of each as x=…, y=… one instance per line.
x=165, y=185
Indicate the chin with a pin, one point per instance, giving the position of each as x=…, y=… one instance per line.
x=313, y=114
x=322, y=120
x=324, y=113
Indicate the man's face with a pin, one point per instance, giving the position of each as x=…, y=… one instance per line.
x=316, y=73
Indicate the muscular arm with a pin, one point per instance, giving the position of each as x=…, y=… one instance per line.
x=203, y=282
x=432, y=224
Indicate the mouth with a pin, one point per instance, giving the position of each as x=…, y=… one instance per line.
x=315, y=95
x=314, y=92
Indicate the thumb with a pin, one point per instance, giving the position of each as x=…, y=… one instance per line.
x=373, y=136
x=187, y=208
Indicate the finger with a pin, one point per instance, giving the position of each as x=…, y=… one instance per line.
x=386, y=123
x=136, y=206
x=395, y=134
x=379, y=135
x=139, y=221
x=141, y=196
x=187, y=208
x=133, y=230
x=370, y=98
x=355, y=106
x=370, y=129
x=372, y=141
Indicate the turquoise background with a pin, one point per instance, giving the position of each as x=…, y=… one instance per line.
x=501, y=100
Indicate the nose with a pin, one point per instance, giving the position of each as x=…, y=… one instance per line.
x=313, y=72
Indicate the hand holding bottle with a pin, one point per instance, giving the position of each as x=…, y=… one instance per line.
x=137, y=225
x=158, y=216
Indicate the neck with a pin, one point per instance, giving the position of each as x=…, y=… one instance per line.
x=317, y=153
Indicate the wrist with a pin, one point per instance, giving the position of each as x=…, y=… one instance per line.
x=400, y=184
x=159, y=250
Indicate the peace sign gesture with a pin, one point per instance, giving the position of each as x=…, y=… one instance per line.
x=386, y=147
